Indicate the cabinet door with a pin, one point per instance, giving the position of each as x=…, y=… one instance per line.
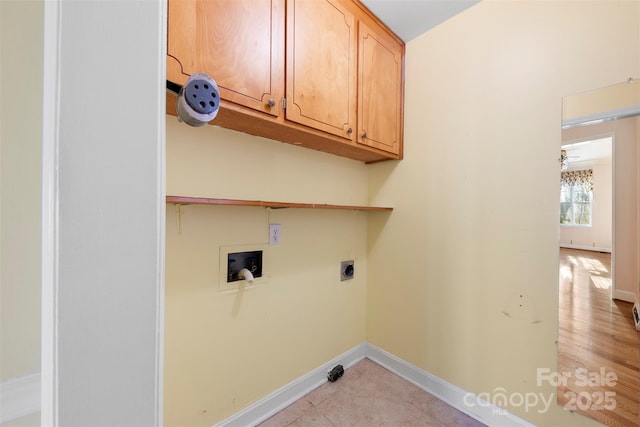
x=239, y=43
x=321, y=66
x=380, y=90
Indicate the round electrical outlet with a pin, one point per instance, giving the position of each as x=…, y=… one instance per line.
x=198, y=100
x=346, y=270
x=202, y=96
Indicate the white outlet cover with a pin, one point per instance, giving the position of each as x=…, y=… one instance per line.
x=274, y=234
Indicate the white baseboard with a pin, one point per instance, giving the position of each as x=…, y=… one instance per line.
x=285, y=396
x=485, y=412
x=19, y=397
x=624, y=296
x=585, y=248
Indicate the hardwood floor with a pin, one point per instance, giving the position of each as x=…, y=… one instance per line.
x=598, y=346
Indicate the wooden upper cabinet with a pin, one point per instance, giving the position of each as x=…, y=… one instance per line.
x=338, y=67
x=238, y=43
x=321, y=66
x=380, y=90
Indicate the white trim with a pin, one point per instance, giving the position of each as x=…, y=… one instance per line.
x=19, y=397
x=605, y=116
x=484, y=412
x=161, y=218
x=50, y=318
x=266, y=407
x=585, y=248
x=577, y=165
x=613, y=213
x=285, y=396
x=50, y=144
x=624, y=296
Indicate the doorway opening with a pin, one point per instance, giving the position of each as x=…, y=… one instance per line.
x=586, y=196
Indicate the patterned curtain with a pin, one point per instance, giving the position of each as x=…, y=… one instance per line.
x=582, y=179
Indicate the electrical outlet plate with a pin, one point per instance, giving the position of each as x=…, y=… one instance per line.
x=223, y=285
x=274, y=234
x=347, y=271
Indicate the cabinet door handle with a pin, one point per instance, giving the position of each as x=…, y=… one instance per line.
x=364, y=135
x=349, y=131
x=272, y=103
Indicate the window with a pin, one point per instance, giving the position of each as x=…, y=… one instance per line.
x=575, y=205
x=576, y=195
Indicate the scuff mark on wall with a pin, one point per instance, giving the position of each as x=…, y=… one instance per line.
x=519, y=307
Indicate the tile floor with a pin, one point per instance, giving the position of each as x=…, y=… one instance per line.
x=369, y=395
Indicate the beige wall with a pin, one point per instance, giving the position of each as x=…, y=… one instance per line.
x=461, y=279
x=598, y=235
x=20, y=135
x=225, y=350
x=463, y=276
x=626, y=269
x=215, y=162
x=614, y=97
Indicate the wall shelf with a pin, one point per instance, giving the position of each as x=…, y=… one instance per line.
x=186, y=200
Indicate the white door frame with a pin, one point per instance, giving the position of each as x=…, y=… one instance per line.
x=50, y=143
x=120, y=30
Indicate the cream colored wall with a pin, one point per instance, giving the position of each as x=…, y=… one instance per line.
x=614, y=97
x=463, y=276
x=598, y=235
x=21, y=48
x=225, y=350
x=626, y=269
x=214, y=162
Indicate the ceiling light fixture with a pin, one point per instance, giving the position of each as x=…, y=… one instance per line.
x=564, y=161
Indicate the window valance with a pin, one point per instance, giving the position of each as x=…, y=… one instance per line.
x=582, y=179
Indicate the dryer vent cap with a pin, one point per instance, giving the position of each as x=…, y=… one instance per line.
x=198, y=100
